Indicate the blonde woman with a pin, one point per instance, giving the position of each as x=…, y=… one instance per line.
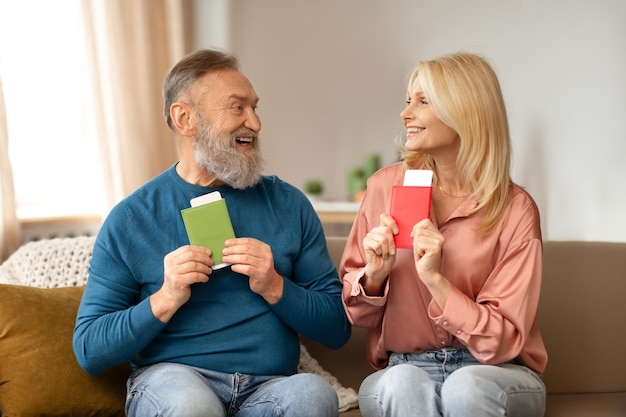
x=452, y=322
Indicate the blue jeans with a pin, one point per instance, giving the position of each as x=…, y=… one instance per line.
x=170, y=389
x=450, y=382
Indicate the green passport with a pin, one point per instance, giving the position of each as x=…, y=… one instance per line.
x=209, y=225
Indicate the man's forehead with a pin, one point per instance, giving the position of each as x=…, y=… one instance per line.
x=228, y=85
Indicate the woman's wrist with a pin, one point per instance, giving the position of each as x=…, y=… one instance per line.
x=373, y=286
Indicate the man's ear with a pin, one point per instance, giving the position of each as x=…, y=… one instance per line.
x=183, y=118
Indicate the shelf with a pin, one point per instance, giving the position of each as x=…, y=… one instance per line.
x=336, y=211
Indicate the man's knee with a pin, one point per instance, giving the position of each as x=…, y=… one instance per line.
x=317, y=391
x=299, y=395
x=171, y=390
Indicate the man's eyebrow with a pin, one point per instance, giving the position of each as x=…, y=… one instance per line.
x=239, y=97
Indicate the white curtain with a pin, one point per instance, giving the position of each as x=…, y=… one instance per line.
x=133, y=44
x=9, y=224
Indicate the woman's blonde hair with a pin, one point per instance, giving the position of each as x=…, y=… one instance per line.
x=464, y=93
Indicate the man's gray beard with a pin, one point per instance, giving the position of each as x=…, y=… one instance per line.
x=218, y=154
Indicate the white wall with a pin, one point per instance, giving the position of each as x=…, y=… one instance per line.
x=332, y=75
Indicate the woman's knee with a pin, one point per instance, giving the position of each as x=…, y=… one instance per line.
x=507, y=388
x=395, y=379
x=398, y=390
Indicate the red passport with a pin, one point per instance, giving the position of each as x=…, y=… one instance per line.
x=409, y=205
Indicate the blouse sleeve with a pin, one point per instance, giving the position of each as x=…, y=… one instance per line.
x=363, y=310
x=498, y=324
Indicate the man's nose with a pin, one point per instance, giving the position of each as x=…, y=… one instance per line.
x=253, y=122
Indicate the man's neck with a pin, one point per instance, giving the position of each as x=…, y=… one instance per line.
x=194, y=174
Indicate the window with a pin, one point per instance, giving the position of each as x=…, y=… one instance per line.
x=52, y=144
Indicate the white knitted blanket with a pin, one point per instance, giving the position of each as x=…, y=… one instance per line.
x=63, y=262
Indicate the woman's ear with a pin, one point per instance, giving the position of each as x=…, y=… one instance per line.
x=183, y=118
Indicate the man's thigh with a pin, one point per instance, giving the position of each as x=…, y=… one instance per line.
x=169, y=389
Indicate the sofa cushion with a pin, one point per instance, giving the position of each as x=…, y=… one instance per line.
x=39, y=374
x=582, y=316
x=49, y=263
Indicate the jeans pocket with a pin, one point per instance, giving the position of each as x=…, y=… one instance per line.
x=397, y=359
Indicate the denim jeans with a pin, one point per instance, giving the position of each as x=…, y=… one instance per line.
x=450, y=382
x=169, y=389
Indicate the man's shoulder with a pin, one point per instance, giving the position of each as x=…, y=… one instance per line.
x=283, y=194
x=274, y=182
x=145, y=196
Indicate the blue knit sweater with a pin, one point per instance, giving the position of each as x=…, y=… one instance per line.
x=224, y=326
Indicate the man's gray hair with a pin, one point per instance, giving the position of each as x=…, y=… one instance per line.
x=188, y=70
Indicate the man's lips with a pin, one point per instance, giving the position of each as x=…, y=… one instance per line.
x=244, y=140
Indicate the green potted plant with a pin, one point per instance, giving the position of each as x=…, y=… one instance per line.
x=314, y=188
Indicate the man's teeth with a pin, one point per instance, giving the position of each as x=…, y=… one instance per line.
x=244, y=140
x=414, y=129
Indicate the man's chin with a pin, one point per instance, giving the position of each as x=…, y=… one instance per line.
x=240, y=184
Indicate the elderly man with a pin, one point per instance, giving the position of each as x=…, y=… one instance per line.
x=206, y=341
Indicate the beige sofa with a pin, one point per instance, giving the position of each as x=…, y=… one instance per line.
x=582, y=315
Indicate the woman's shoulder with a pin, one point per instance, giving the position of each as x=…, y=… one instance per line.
x=524, y=212
x=521, y=196
x=392, y=174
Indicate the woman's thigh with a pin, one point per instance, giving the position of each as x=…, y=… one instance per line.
x=398, y=391
x=489, y=390
x=450, y=383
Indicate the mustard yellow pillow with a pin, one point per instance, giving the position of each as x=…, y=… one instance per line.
x=39, y=375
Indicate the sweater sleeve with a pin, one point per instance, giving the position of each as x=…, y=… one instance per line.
x=113, y=324
x=311, y=302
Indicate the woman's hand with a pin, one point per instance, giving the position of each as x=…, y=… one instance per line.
x=380, y=253
x=427, y=246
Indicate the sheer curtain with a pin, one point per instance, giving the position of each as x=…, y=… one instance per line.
x=9, y=224
x=133, y=44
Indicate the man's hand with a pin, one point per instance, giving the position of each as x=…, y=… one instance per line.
x=254, y=258
x=182, y=267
